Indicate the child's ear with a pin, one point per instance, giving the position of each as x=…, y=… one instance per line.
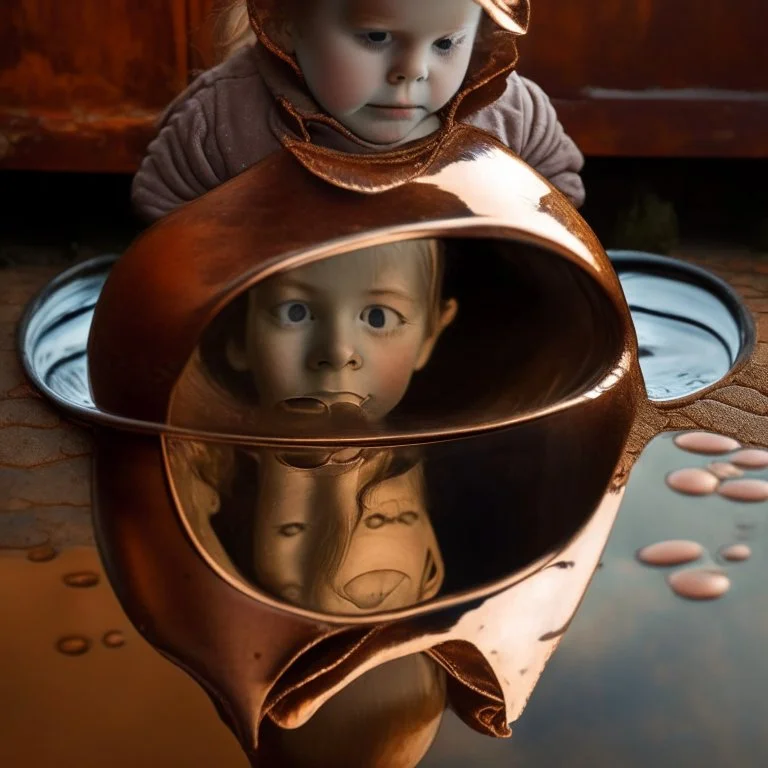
x=236, y=356
x=448, y=309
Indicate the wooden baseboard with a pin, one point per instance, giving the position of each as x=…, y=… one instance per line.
x=644, y=126
x=61, y=141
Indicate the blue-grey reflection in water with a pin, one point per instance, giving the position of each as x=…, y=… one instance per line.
x=643, y=677
x=688, y=339
x=56, y=335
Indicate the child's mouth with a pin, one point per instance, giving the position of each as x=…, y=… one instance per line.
x=395, y=111
x=322, y=403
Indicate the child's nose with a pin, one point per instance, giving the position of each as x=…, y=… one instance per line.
x=335, y=352
x=409, y=66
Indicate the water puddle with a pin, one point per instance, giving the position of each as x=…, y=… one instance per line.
x=87, y=690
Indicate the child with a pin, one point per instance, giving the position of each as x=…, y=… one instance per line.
x=356, y=77
x=350, y=329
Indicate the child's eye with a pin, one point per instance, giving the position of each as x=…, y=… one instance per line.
x=375, y=520
x=448, y=45
x=381, y=318
x=289, y=530
x=376, y=38
x=292, y=313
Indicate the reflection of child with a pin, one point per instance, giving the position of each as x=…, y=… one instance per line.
x=349, y=329
x=353, y=539
x=356, y=76
x=346, y=331
x=342, y=538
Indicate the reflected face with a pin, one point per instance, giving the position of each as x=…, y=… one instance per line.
x=383, y=68
x=393, y=560
x=314, y=548
x=348, y=329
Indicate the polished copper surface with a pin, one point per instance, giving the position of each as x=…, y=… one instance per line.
x=477, y=189
x=670, y=657
x=482, y=613
x=484, y=206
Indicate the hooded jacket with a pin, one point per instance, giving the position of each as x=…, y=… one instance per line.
x=237, y=113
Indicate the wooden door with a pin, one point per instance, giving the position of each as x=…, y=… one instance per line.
x=654, y=77
x=82, y=81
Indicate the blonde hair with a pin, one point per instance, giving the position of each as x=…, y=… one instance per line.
x=232, y=30
x=431, y=253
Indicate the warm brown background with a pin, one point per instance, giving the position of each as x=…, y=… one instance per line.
x=81, y=81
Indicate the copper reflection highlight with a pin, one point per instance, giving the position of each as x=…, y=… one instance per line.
x=388, y=716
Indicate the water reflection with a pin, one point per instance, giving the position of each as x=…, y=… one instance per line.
x=667, y=681
x=690, y=327
x=643, y=677
x=344, y=531
x=55, y=336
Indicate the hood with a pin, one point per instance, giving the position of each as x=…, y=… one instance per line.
x=300, y=118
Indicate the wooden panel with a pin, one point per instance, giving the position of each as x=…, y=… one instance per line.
x=654, y=77
x=82, y=81
x=666, y=127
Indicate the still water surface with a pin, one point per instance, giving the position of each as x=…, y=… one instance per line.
x=642, y=677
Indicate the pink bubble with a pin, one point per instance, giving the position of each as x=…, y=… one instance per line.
x=751, y=458
x=699, y=584
x=672, y=552
x=705, y=442
x=724, y=471
x=693, y=481
x=736, y=553
x=746, y=489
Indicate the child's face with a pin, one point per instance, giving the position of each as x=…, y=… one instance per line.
x=383, y=68
x=393, y=559
x=390, y=561
x=351, y=329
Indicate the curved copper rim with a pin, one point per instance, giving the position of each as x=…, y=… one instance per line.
x=485, y=227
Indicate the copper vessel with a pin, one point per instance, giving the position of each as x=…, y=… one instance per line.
x=523, y=425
